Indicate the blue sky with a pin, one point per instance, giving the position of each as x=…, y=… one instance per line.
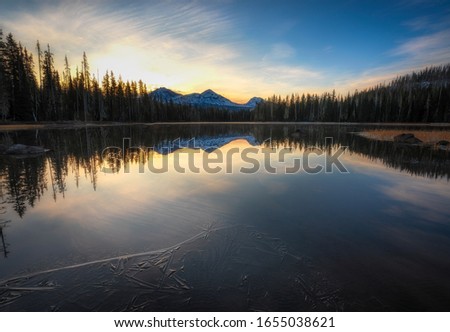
x=240, y=48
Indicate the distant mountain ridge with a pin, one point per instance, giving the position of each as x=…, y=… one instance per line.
x=207, y=98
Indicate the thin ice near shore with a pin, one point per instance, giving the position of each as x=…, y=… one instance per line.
x=220, y=269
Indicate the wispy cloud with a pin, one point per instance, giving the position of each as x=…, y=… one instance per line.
x=185, y=45
x=275, y=74
x=433, y=48
x=193, y=45
x=296, y=77
x=165, y=43
x=90, y=26
x=280, y=51
x=413, y=54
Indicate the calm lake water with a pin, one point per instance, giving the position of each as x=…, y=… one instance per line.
x=98, y=224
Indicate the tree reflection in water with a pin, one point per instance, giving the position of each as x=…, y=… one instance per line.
x=79, y=152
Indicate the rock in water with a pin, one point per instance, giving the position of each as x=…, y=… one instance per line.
x=443, y=142
x=443, y=145
x=22, y=149
x=407, y=139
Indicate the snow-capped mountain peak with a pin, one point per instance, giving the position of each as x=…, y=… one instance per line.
x=254, y=101
x=209, y=92
x=207, y=98
x=164, y=94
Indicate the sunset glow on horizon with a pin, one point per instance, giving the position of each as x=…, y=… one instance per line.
x=239, y=49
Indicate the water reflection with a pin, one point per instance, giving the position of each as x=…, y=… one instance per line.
x=81, y=153
x=376, y=238
x=4, y=245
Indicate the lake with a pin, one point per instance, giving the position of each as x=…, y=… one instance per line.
x=224, y=217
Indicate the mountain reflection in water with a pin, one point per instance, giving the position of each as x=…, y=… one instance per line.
x=375, y=238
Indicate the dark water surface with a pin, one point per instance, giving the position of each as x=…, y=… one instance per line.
x=84, y=228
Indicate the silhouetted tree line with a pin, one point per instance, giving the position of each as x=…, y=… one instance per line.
x=43, y=94
x=417, y=97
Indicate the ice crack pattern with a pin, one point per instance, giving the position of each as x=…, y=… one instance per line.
x=222, y=268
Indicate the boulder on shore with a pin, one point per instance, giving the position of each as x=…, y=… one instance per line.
x=443, y=145
x=443, y=142
x=407, y=139
x=22, y=149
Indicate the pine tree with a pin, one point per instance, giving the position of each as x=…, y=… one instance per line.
x=40, y=86
x=49, y=86
x=4, y=105
x=106, y=90
x=86, y=85
x=30, y=87
x=68, y=92
x=11, y=74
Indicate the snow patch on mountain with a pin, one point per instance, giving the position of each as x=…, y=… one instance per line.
x=164, y=94
x=207, y=98
x=254, y=101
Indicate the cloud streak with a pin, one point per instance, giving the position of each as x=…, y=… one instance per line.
x=433, y=48
x=155, y=41
x=184, y=47
x=191, y=46
x=280, y=51
x=413, y=54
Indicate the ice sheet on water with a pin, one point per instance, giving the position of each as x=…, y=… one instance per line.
x=222, y=268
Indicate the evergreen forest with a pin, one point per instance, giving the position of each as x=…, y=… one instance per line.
x=32, y=90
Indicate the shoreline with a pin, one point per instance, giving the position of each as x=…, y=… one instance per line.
x=77, y=124
x=388, y=135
